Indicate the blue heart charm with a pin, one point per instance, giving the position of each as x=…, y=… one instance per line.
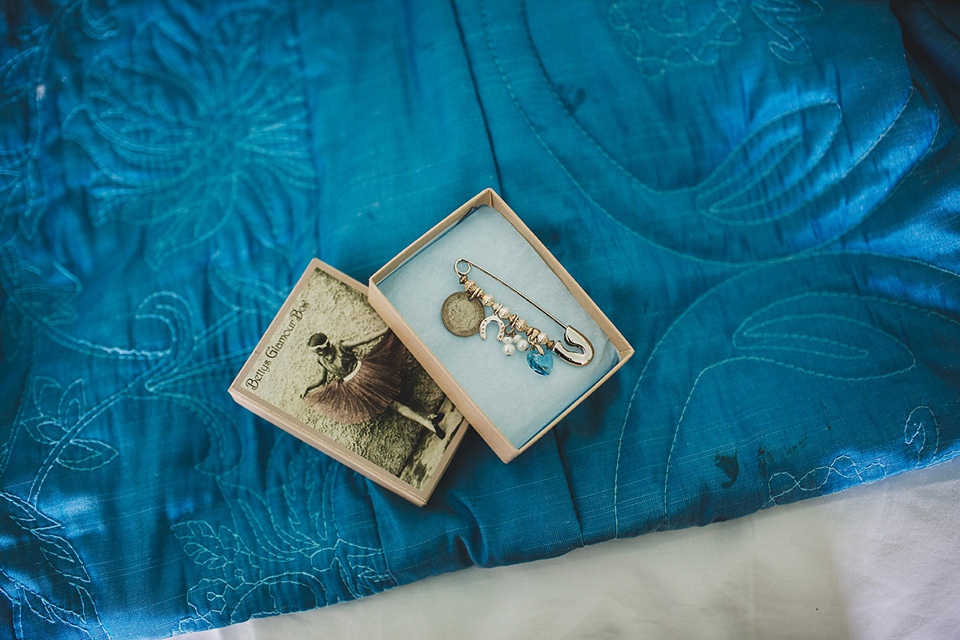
x=542, y=364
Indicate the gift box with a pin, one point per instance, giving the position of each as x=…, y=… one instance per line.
x=511, y=400
x=381, y=379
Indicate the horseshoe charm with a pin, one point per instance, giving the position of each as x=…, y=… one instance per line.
x=488, y=320
x=578, y=341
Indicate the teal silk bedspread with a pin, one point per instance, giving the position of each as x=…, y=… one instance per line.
x=761, y=194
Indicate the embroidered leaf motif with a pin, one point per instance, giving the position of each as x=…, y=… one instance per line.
x=256, y=522
x=24, y=82
x=44, y=425
x=44, y=430
x=57, y=416
x=204, y=546
x=767, y=176
x=241, y=293
x=86, y=455
x=71, y=404
x=836, y=360
x=20, y=187
x=826, y=334
x=45, y=579
x=241, y=569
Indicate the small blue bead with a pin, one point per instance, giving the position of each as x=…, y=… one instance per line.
x=542, y=364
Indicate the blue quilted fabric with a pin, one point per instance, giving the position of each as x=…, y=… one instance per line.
x=761, y=194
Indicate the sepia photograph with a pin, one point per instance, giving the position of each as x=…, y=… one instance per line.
x=331, y=372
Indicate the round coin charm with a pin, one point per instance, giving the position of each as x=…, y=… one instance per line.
x=461, y=314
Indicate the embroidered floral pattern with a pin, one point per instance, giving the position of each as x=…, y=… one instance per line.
x=52, y=591
x=43, y=575
x=676, y=33
x=275, y=549
x=194, y=372
x=660, y=35
x=197, y=127
x=24, y=82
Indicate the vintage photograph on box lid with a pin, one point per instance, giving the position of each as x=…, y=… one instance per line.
x=329, y=367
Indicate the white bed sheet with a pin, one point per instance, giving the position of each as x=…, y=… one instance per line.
x=877, y=561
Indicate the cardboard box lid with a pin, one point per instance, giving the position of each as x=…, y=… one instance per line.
x=282, y=381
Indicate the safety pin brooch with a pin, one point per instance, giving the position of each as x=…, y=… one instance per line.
x=463, y=315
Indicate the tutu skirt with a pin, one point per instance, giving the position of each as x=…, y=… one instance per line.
x=368, y=390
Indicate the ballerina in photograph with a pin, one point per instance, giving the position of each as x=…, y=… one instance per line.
x=354, y=388
x=330, y=372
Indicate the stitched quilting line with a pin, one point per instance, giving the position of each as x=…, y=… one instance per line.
x=622, y=169
x=187, y=364
x=180, y=366
x=12, y=270
x=86, y=455
x=851, y=470
x=910, y=438
x=254, y=295
x=792, y=47
x=802, y=369
x=730, y=282
x=781, y=12
x=858, y=354
x=277, y=542
x=23, y=169
x=576, y=183
x=679, y=54
x=712, y=210
x=837, y=294
x=27, y=155
x=65, y=598
x=311, y=128
x=582, y=190
x=768, y=361
x=241, y=147
x=709, y=211
x=476, y=92
x=772, y=361
x=51, y=430
x=61, y=556
x=335, y=561
x=69, y=436
x=778, y=151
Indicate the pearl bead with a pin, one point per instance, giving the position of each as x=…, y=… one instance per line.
x=508, y=349
x=522, y=345
x=507, y=340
